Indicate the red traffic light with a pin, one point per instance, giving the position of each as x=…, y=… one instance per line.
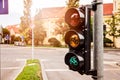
x=75, y=18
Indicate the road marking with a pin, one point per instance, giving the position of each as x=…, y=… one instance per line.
x=21, y=59
x=44, y=60
x=57, y=70
x=10, y=68
x=112, y=69
x=110, y=62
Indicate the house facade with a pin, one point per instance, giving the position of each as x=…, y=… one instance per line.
x=116, y=4
x=14, y=30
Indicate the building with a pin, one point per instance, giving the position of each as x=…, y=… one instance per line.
x=116, y=4
x=14, y=30
x=49, y=17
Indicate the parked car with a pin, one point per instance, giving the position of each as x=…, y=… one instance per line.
x=19, y=43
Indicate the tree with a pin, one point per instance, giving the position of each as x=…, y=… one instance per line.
x=6, y=35
x=72, y=3
x=114, y=26
x=5, y=32
x=12, y=39
x=39, y=31
x=26, y=19
x=54, y=42
x=61, y=28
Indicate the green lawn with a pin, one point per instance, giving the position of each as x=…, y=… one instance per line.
x=31, y=71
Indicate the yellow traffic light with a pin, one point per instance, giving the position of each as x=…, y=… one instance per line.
x=74, y=39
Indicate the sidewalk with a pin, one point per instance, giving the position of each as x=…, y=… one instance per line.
x=111, y=49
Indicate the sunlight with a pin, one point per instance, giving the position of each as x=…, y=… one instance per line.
x=39, y=4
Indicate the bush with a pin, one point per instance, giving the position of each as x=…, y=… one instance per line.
x=107, y=42
x=17, y=38
x=54, y=42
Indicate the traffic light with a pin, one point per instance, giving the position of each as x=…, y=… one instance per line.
x=78, y=39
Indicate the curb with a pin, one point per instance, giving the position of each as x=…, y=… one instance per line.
x=43, y=71
x=111, y=49
x=19, y=71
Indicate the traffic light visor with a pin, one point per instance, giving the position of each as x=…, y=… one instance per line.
x=74, y=17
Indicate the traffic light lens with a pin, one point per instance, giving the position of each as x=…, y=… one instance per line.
x=74, y=21
x=74, y=40
x=74, y=18
x=73, y=61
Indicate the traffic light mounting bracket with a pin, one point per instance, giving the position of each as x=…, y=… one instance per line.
x=94, y=4
x=88, y=71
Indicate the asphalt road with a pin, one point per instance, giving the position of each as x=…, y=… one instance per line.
x=13, y=59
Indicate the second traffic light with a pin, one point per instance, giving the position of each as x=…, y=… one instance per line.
x=78, y=39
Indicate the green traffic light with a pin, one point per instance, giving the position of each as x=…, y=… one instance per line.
x=73, y=61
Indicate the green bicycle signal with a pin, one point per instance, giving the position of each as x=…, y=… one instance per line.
x=73, y=60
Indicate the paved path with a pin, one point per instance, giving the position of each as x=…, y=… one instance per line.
x=52, y=59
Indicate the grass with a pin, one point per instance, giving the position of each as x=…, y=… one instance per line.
x=31, y=71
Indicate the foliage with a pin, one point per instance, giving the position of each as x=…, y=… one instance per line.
x=106, y=40
x=114, y=26
x=5, y=32
x=54, y=42
x=31, y=71
x=62, y=27
x=26, y=18
x=12, y=39
x=17, y=38
x=27, y=34
x=113, y=30
x=72, y=3
x=39, y=31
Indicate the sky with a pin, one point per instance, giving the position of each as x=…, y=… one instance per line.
x=16, y=9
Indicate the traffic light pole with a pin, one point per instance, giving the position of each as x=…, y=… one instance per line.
x=98, y=40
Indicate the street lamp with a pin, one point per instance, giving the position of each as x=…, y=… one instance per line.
x=32, y=27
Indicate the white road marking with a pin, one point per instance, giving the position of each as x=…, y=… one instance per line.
x=44, y=60
x=112, y=69
x=110, y=62
x=57, y=70
x=21, y=59
x=10, y=68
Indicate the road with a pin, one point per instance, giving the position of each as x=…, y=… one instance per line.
x=13, y=59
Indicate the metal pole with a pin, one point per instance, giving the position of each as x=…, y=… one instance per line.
x=98, y=41
x=32, y=42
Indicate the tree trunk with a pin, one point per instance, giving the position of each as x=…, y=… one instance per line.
x=114, y=42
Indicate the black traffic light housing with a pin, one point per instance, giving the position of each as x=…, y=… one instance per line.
x=78, y=39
